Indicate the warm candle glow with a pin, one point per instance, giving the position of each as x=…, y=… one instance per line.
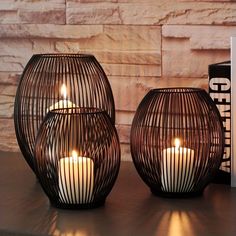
x=62, y=103
x=74, y=154
x=177, y=143
x=63, y=91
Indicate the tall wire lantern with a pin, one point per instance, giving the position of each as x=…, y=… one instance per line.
x=77, y=157
x=177, y=141
x=52, y=81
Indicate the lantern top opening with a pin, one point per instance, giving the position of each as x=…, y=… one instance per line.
x=62, y=55
x=177, y=90
x=77, y=111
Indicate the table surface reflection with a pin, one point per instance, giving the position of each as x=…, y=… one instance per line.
x=130, y=208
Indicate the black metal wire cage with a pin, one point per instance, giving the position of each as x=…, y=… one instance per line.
x=77, y=157
x=177, y=141
x=52, y=81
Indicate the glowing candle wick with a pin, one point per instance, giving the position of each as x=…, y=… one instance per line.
x=74, y=154
x=63, y=91
x=177, y=143
x=62, y=103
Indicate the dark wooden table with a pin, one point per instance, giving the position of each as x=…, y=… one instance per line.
x=130, y=209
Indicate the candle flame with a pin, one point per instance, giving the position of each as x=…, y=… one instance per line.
x=74, y=154
x=63, y=91
x=177, y=143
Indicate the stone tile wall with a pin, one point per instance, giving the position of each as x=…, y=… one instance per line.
x=141, y=44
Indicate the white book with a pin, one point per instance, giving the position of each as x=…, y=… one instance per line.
x=233, y=111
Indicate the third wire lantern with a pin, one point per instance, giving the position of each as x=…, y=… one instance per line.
x=52, y=81
x=177, y=141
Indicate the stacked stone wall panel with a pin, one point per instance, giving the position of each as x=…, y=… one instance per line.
x=141, y=44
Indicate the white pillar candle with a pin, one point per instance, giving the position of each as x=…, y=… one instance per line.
x=76, y=179
x=177, y=169
x=62, y=103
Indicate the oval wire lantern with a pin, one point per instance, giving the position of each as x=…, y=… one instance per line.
x=77, y=157
x=52, y=81
x=177, y=141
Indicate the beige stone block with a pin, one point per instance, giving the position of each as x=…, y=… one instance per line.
x=114, y=1
x=32, y=12
x=8, y=140
x=174, y=12
x=117, y=38
x=184, y=58
x=8, y=16
x=206, y=0
x=134, y=37
x=125, y=152
x=32, y=4
x=212, y=13
x=211, y=37
x=53, y=16
x=43, y=46
x=141, y=1
x=124, y=133
x=132, y=70
x=191, y=63
x=15, y=53
x=46, y=31
x=137, y=88
x=103, y=13
x=8, y=90
x=26, y=47
x=66, y=46
x=6, y=106
x=128, y=57
x=128, y=63
x=9, y=78
x=15, y=47
x=11, y=63
x=129, y=91
x=70, y=2
x=122, y=50
x=124, y=117
x=7, y=98
x=142, y=14
x=112, y=56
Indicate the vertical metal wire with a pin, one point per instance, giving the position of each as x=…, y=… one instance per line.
x=184, y=115
x=83, y=180
x=39, y=91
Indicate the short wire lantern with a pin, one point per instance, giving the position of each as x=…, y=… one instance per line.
x=77, y=157
x=177, y=141
x=52, y=81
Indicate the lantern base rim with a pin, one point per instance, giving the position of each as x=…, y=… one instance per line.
x=163, y=194
x=78, y=206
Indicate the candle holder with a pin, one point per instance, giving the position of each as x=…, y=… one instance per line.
x=177, y=141
x=52, y=81
x=77, y=157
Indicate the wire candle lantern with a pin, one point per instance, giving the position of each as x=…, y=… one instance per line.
x=52, y=81
x=177, y=141
x=77, y=157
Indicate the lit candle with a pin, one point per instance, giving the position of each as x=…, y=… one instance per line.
x=62, y=103
x=76, y=179
x=177, y=169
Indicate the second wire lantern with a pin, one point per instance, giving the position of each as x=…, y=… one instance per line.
x=77, y=157
x=177, y=141
x=52, y=81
